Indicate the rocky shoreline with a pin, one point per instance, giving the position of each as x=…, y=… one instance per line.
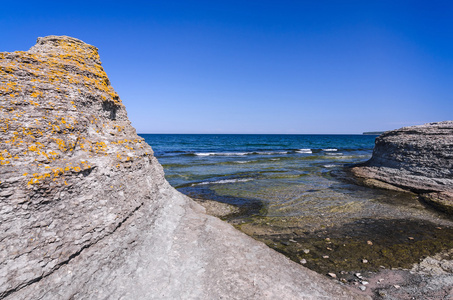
x=429, y=278
x=418, y=159
x=403, y=258
x=87, y=213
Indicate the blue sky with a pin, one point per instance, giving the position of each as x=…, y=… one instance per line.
x=260, y=66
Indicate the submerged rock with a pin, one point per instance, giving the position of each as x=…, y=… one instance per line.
x=416, y=158
x=86, y=211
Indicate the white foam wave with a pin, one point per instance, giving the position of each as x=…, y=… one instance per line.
x=240, y=153
x=244, y=161
x=304, y=151
x=223, y=181
x=222, y=154
x=329, y=166
x=330, y=150
x=335, y=154
x=272, y=152
x=275, y=158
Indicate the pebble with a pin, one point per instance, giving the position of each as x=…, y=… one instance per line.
x=362, y=287
x=333, y=275
x=396, y=286
x=292, y=241
x=303, y=261
x=330, y=249
x=325, y=256
x=410, y=238
x=369, y=243
x=306, y=251
x=365, y=282
x=327, y=239
x=365, y=261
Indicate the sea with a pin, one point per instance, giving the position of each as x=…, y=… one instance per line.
x=279, y=171
x=296, y=195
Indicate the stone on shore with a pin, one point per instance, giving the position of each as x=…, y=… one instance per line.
x=417, y=159
x=86, y=212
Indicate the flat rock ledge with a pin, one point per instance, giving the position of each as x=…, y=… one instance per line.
x=86, y=212
x=417, y=159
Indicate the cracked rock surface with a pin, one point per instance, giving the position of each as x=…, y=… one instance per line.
x=85, y=210
x=415, y=158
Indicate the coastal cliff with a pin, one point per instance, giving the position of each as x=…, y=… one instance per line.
x=417, y=159
x=86, y=212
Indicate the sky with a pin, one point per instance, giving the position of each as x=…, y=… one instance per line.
x=259, y=66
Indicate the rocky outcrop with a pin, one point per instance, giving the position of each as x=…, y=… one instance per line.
x=86, y=212
x=416, y=158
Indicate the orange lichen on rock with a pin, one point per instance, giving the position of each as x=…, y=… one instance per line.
x=48, y=96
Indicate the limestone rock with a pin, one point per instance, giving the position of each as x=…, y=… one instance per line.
x=416, y=158
x=86, y=212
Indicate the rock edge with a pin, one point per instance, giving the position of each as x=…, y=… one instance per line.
x=418, y=159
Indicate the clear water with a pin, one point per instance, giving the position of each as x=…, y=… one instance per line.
x=268, y=168
x=209, y=159
x=295, y=188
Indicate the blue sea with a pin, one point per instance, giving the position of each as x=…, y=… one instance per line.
x=295, y=194
x=281, y=171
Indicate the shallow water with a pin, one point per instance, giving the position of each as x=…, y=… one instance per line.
x=296, y=194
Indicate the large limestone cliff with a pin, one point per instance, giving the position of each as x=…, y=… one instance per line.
x=86, y=212
x=416, y=158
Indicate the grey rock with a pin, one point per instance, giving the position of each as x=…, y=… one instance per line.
x=417, y=159
x=218, y=209
x=86, y=212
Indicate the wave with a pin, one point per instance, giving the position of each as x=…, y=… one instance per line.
x=271, y=152
x=222, y=154
x=330, y=166
x=305, y=151
x=335, y=154
x=244, y=161
x=240, y=153
x=223, y=181
x=330, y=150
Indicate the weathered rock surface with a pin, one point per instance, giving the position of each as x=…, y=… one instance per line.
x=416, y=158
x=86, y=212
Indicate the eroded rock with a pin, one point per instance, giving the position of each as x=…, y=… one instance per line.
x=417, y=159
x=86, y=212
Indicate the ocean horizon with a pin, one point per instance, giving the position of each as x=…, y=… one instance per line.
x=198, y=164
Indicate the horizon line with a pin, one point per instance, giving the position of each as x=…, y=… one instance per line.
x=363, y=133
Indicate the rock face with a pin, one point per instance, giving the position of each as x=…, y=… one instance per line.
x=86, y=212
x=416, y=158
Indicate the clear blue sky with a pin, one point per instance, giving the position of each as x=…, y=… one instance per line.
x=222, y=66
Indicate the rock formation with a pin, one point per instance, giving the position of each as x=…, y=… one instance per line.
x=416, y=158
x=86, y=212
